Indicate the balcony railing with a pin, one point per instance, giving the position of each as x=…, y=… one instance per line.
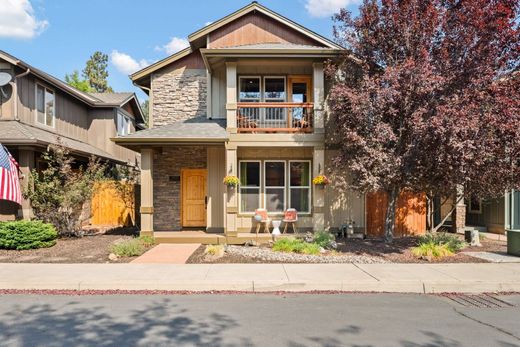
x=274, y=117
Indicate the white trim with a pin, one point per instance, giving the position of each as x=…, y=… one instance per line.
x=259, y=87
x=309, y=187
x=284, y=187
x=240, y=187
x=53, y=92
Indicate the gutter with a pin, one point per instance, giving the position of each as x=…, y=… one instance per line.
x=155, y=140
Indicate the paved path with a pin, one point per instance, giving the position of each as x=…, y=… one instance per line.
x=289, y=320
x=412, y=278
x=168, y=253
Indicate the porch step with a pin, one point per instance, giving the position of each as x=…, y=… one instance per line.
x=189, y=237
x=476, y=227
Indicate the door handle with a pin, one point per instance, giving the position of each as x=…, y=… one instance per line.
x=206, y=202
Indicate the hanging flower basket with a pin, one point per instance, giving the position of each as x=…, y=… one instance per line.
x=231, y=181
x=320, y=181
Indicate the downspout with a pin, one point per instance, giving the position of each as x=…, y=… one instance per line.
x=15, y=92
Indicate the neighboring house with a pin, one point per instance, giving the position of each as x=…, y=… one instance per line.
x=37, y=109
x=246, y=98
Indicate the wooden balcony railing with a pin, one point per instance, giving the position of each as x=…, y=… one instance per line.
x=274, y=117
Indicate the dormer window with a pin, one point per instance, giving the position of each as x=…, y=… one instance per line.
x=123, y=124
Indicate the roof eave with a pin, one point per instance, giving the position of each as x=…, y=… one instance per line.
x=160, y=64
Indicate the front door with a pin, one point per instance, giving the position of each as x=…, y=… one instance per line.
x=193, y=197
x=300, y=92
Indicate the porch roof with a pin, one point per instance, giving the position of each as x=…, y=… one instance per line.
x=194, y=130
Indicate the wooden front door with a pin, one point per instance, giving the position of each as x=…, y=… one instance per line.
x=193, y=197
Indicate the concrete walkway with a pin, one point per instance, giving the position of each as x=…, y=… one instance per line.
x=400, y=278
x=166, y=253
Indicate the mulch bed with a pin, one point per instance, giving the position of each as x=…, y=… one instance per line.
x=87, y=249
x=397, y=252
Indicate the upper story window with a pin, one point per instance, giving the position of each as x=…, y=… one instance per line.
x=123, y=124
x=45, y=111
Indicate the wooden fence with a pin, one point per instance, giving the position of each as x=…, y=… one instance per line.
x=410, y=217
x=113, y=204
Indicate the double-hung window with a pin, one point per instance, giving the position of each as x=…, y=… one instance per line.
x=45, y=112
x=249, y=186
x=123, y=124
x=300, y=185
x=274, y=182
x=249, y=91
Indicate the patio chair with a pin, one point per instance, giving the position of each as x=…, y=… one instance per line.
x=290, y=217
x=262, y=221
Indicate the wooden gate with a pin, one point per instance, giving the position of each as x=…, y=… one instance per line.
x=410, y=216
x=113, y=204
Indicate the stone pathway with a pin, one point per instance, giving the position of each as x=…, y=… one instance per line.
x=168, y=253
x=494, y=257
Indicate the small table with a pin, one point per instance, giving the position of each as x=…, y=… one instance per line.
x=276, y=227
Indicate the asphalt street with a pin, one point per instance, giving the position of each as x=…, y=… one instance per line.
x=256, y=320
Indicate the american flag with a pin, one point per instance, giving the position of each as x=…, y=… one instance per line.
x=9, y=182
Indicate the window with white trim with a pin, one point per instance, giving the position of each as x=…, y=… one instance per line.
x=285, y=184
x=249, y=174
x=274, y=91
x=45, y=112
x=123, y=124
x=249, y=91
x=274, y=184
x=300, y=186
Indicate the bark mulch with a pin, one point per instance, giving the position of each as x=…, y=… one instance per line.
x=400, y=251
x=87, y=249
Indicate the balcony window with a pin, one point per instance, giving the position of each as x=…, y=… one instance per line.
x=274, y=91
x=250, y=92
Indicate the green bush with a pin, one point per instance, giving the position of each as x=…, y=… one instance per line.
x=323, y=238
x=27, y=235
x=133, y=247
x=452, y=242
x=431, y=249
x=291, y=245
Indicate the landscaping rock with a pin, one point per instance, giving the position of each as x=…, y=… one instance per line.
x=268, y=254
x=112, y=257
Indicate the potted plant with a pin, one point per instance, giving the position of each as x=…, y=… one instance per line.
x=320, y=181
x=231, y=181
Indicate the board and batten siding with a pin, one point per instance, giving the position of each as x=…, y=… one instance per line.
x=71, y=116
x=492, y=215
x=256, y=28
x=216, y=189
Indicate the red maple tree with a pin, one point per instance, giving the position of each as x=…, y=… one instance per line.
x=427, y=97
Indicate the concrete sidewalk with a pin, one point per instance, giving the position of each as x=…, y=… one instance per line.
x=399, y=278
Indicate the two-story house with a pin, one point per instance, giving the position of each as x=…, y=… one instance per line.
x=246, y=98
x=37, y=109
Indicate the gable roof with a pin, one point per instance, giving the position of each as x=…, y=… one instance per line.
x=254, y=6
x=91, y=99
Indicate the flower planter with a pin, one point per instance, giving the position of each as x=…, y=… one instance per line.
x=513, y=242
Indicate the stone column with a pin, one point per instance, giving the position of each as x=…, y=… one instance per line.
x=231, y=194
x=318, y=196
x=231, y=96
x=147, y=192
x=318, y=97
x=459, y=214
x=26, y=162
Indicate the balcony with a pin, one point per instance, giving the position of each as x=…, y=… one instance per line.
x=275, y=117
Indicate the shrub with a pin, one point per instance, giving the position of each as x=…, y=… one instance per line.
x=291, y=245
x=452, y=242
x=323, y=238
x=216, y=250
x=133, y=247
x=27, y=235
x=431, y=249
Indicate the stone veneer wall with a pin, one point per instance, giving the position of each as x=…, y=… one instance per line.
x=166, y=193
x=178, y=94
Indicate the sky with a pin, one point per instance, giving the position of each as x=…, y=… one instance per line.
x=58, y=36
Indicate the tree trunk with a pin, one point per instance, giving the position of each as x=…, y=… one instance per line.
x=393, y=194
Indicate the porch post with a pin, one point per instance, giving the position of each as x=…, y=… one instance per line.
x=318, y=82
x=318, y=198
x=146, y=192
x=26, y=162
x=231, y=193
x=231, y=96
x=459, y=220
